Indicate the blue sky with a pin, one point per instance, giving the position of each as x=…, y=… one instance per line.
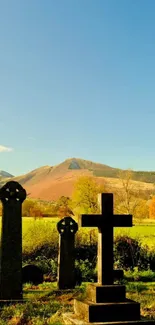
x=77, y=79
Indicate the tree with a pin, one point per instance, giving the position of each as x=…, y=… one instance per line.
x=127, y=197
x=63, y=207
x=142, y=210
x=152, y=208
x=31, y=208
x=85, y=193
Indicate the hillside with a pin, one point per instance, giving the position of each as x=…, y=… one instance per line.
x=4, y=174
x=49, y=183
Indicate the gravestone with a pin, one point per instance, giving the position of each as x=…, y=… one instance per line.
x=67, y=228
x=12, y=195
x=32, y=274
x=106, y=302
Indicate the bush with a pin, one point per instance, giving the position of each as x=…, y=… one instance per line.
x=151, y=259
x=87, y=252
x=136, y=275
x=136, y=287
x=129, y=253
x=41, y=235
x=88, y=273
x=40, y=246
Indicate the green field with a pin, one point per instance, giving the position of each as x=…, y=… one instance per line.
x=144, y=233
x=34, y=231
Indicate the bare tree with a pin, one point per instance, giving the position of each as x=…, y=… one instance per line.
x=127, y=197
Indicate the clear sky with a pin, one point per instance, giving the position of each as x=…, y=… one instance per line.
x=77, y=79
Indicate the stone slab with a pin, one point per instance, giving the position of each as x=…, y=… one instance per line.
x=72, y=319
x=106, y=293
x=107, y=312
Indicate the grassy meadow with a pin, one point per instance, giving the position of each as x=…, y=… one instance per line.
x=47, y=229
x=35, y=231
x=44, y=304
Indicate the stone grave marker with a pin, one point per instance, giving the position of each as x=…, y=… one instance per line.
x=67, y=228
x=105, y=222
x=12, y=195
x=106, y=303
x=32, y=274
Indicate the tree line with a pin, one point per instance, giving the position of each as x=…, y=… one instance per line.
x=128, y=199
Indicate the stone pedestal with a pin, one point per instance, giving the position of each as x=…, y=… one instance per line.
x=105, y=305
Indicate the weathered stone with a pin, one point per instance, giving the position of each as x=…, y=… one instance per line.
x=67, y=228
x=106, y=303
x=105, y=223
x=72, y=319
x=106, y=293
x=118, y=274
x=107, y=312
x=12, y=195
x=32, y=274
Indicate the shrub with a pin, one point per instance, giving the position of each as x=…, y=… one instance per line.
x=88, y=272
x=136, y=275
x=41, y=235
x=129, y=253
x=87, y=252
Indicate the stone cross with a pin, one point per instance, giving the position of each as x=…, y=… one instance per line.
x=12, y=195
x=67, y=227
x=105, y=222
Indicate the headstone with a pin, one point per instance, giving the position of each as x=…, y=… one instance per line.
x=105, y=222
x=32, y=274
x=106, y=303
x=67, y=228
x=12, y=195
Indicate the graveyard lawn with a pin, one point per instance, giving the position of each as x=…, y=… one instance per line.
x=45, y=304
x=33, y=230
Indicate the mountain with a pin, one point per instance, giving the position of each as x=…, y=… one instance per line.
x=50, y=182
x=4, y=174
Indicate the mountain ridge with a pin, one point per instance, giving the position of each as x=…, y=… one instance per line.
x=5, y=174
x=50, y=182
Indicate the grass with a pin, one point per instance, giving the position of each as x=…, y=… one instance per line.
x=46, y=304
x=45, y=230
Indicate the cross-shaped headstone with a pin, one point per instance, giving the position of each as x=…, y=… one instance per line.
x=105, y=222
x=67, y=228
x=12, y=195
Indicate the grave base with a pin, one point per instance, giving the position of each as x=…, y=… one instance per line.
x=72, y=319
x=127, y=310
x=105, y=293
x=105, y=305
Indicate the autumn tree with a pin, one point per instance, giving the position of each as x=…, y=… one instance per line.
x=85, y=193
x=64, y=207
x=141, y=210
x=152, y=208
x=31, y=208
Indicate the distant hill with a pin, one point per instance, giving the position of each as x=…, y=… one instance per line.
x=50, y=182
x=4, y=174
